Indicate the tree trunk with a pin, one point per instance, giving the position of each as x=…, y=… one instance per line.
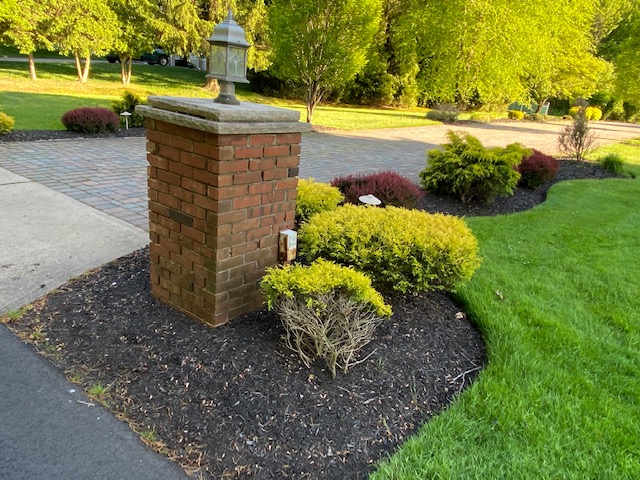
x=125, y=69
x=87, y=66
x=314, y=95
x=32, y=67
x=78, y=66
x=540, y=105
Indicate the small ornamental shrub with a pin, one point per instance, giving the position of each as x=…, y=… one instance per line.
x=328, y=311
x=315, y=197
x=446, y=113
x=536, y=117
x=91, y=120
x=467, y=170
x=577, y=140
x=516, y=115
x=6, y=123
x=573, y=111
x=536, y=169
x=390, y=188
x=128, y=103
x=593, y=114
x=481, y=117
x=612, y=162
x=399, y=249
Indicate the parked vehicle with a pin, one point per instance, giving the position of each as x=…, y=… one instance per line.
x=158, y=56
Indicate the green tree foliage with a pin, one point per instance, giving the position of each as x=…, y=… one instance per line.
x=25, y=32
x=81, y=29
x=624, y=48
x=321, y=44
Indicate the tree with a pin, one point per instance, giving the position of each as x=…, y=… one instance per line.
x=624, y=48
x=25, y=32
x=321, y=44
x=81, y=29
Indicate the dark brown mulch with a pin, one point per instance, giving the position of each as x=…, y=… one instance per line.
x=233, y=401
x=38, y=135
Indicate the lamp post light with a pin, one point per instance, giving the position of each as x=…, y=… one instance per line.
x=228, y=62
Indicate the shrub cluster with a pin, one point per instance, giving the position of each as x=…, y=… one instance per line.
x=482, y=117
x=128, y=103
x=328, y=311
x=536, y=117
x=516, y=114
x=446, y=113
x=467, y=170
x=315, y=197
x=593, y=114
x=612, y=162
x=399, y=249
x=6, y=123
x=390, y=188
x=536, y=169
x=91, y=120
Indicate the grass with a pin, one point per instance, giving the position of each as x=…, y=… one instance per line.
x=38, y=105
x=560, y=397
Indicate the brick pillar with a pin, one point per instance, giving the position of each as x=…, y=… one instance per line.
x=222, y=185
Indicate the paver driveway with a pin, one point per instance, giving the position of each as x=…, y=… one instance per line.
x=110, y=174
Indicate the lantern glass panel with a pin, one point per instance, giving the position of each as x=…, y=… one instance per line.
x=218, y=63
x=236, y=62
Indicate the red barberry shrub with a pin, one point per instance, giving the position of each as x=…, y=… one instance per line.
x=91, y=120
x=536, y=169
x=390, y=187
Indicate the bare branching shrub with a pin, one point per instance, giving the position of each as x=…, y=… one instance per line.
x=577, y=140
x=334, y=328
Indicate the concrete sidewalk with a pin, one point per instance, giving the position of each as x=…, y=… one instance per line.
x=48, y=428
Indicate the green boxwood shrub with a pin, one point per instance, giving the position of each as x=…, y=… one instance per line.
x=536, y=117
x=315, y=197
x=390, y=188
x=612, y=162
x=399, y=249
x=128, y=103
x=328, y=311
x=481, y=117
x=445, y=113
x=516, y=115
x=467, y=170
x=6, y=123
x=91, y=120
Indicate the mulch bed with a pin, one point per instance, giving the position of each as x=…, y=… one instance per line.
x=38, y=135
x=233, y=402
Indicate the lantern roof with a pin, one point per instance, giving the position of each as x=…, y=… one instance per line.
x=229, y=33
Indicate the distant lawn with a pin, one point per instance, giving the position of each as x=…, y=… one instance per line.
x=557, y=300
x=39, y=105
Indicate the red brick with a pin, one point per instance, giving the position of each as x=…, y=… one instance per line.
x=180, y=169
x=249, y=152
x=149, y=124
x=267, y=139
x=168, y=200
x=235, y=166
x=192, y=233
x=225, y=193
x=288, y=161
x=288, y=183
x=272, y=198
x=226, y=140
x=258, y=233
x=158, y=162
x=193, y=160
x=181, y=194
x=173, y=129
x=247, y=177
x=247, y=201
x=194, y=211
x=170, y=178
x=194, y=186
x=290, y=138
x=295, y=149
x=245, y=225
x=152, y=172
x=275, y=174
x=262, y=164
x=228, y=217
x=155, y=184
x=288, y=206
x=276, y=150
x=169, y=152
x=260, y=211
x=244, y=248
x=159, y=208
x=262, y=187
x=181, y=143
x=169, y=245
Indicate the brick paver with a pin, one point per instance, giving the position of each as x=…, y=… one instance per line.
x=110, y=174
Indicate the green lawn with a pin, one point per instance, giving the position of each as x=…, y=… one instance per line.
x=37, y=105
x=560, y=397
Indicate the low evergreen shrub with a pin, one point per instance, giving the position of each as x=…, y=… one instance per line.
x=91, y=120
x=128, y=103
x=6, y=123
x=444, y=112
x=467, y=170
x=315, y=197
x=328, y=311
x=516, y=114
x=536, y=117
x=390, y=188
x=481, y=117
x=399, y=249
x=536, y=169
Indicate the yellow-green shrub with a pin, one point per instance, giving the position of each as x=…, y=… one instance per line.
x=321, y=277
x=315, y=197
x=516, y=115
x=399, y=249
x=573, y=111
x=6, y=123
x=593, y=114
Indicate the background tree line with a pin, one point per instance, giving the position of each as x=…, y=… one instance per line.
x=473, y=53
